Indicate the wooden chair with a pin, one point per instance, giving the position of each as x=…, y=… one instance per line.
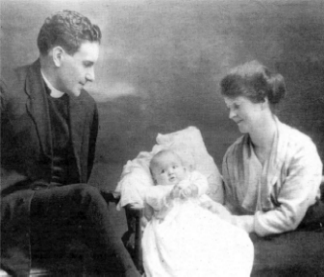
x=35, y=272
x=133, y=237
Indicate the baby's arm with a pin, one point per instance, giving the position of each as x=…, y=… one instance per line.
x=159, y=200
x=158, y=197
x=147, y=215
x=200, y=181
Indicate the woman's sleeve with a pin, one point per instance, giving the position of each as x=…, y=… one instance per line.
x=298, y=192
x=245, y=222
x=229, y=197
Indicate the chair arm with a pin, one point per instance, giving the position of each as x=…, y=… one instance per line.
x=134, y=217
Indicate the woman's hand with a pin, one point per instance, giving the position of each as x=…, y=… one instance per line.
x=245, y=222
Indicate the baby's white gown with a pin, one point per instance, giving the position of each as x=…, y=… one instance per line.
x=193, y=242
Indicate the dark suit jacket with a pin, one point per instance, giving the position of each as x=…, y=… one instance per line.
x=26, y=155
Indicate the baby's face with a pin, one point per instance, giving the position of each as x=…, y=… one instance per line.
x=169, y=170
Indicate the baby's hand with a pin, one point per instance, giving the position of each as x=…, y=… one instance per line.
x=193, y=190
x=175, y=192
x=187, y=190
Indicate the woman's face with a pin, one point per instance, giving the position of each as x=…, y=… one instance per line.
x=244, y=113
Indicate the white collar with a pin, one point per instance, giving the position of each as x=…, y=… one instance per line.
x=54, y=92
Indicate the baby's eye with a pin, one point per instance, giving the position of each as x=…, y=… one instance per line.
x=162, y=171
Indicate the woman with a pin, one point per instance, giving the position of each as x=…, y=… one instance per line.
x=273, y=172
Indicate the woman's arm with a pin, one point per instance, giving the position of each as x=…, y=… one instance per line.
x=298, y=192
x=300, y=181
x=230, y=198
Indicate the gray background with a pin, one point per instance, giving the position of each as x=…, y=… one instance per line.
x=161, y=63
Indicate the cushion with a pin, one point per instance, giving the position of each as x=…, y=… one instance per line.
x=189, y=144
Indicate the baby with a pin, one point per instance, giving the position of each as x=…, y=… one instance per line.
x=168, y=170
x=182, y=238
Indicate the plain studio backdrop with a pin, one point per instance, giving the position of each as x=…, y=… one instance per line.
x=161, y=62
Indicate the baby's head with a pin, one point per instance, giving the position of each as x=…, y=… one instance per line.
x=167, y=168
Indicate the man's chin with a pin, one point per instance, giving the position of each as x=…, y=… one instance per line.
x=75, y=93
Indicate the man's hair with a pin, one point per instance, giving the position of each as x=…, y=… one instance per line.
x=67, y=29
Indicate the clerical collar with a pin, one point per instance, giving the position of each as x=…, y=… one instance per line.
x=53, y=91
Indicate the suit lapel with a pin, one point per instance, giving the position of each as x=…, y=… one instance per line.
x=37, y=107
x=77, y=122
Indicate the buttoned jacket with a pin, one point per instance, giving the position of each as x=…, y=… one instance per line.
x=27, y=154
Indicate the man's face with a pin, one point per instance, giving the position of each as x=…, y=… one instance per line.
x=77, y=69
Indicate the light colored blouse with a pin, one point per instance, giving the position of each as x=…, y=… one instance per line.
x=273, y=197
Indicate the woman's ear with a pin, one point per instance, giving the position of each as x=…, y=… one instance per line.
x=265, y=103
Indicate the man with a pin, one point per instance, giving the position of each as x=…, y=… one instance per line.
x=49, y=127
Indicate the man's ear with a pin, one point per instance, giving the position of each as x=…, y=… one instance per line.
x=58, y=55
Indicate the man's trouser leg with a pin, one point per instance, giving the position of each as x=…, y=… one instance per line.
x=81, y=207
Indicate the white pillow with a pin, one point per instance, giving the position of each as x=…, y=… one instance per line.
x=189, y=144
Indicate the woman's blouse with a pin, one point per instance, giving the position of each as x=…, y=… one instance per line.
x=276, y=195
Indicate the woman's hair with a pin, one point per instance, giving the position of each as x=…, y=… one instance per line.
x=254, y=81
x=67, y=29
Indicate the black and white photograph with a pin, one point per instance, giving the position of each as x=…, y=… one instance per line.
x=162, y=138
